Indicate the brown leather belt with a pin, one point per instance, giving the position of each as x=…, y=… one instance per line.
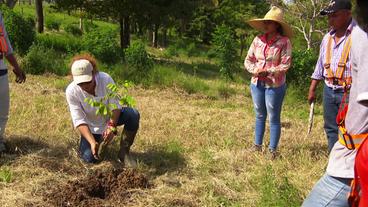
x=3, y=72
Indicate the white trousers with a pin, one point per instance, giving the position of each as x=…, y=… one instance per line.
x=4, y=104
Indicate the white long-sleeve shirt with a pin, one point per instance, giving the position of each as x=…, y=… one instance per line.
x=81, y=112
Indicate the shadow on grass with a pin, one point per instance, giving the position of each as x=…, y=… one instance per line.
x=49, y=157
x=161, y=160
x=316, y=150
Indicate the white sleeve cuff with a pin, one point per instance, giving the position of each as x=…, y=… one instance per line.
x=362, y=97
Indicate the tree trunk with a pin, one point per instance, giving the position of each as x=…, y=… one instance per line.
x=39, y=15
x=124, y=31
x=30, y=2
x=81, y=24
x=155, y=36
x=164, y=37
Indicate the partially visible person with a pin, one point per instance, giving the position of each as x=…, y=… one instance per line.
x=334, y=186
x=268, y=60
x=6, y=51
x=88, y=82
x=357, y=115
x=333, y=66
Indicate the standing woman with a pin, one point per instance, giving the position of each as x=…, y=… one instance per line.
x=268, y=60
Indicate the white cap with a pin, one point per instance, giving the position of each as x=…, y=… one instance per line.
x=82, y=71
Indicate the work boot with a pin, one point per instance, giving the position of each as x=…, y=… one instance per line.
x=272, y=153
x=127, y=139
x=256, y=148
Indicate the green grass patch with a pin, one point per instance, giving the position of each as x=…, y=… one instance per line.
x=6, y=175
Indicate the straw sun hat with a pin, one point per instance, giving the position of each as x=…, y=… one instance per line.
x=275, y=14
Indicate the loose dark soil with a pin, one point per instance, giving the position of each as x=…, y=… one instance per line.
x=111, y=188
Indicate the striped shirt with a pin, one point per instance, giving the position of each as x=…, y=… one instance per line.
x=273, y=56
x=10, y=49
x=336, y=51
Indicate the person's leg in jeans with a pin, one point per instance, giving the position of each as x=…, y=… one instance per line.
x=331, y=103
x=129, y=117
x=4, y=108
x=329, y=192
x=85, y=148
x=259, y=103
x=274, y=99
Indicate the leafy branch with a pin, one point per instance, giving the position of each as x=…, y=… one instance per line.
x=104, y=108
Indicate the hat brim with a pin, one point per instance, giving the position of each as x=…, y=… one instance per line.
x=82, y=78
x=259, y=25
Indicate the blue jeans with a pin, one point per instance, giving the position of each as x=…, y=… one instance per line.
x=267, y=101
x=329, y=191
x=129, y=117
x=331, y=103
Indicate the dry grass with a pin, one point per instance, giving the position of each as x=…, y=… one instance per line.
x=195, y=151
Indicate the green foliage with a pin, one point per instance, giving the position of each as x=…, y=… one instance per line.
x=193, y=85
x=6, y=175
x=277, y=191
x=89, y=26
x=225, y=46
x=103, y=45
x=20, y=30
x=73, y=29
x=62, y=43
x=40, y=60
x=192, y=50
x=303, y=65
x=104, y=108
x=171, y=51
x=137, y=57
x=52, y=24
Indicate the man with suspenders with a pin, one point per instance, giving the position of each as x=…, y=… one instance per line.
x=6, y=51
x=333, y=65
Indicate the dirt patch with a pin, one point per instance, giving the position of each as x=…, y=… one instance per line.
x=99, y=189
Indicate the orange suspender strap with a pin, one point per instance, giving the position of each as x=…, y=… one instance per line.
x=327, y=64
x=3, y=43
x=343, y=59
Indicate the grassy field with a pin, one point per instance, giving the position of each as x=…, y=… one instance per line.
x=194, y=150
x=193, y=144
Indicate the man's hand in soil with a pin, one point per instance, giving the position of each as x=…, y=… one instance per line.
x=94, y=149
x=108, y=135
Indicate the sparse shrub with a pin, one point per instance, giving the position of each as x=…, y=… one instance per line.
x=192, y=50
x=193, y=85
x=302, y=67
x=103, y=45
x=40, y=60
x=61, y=43
x=137, y=58
x=52, y=24
x=20, y=30
x=171, y=51
x=89, y=26
x=225, y=46
x=73, y=29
